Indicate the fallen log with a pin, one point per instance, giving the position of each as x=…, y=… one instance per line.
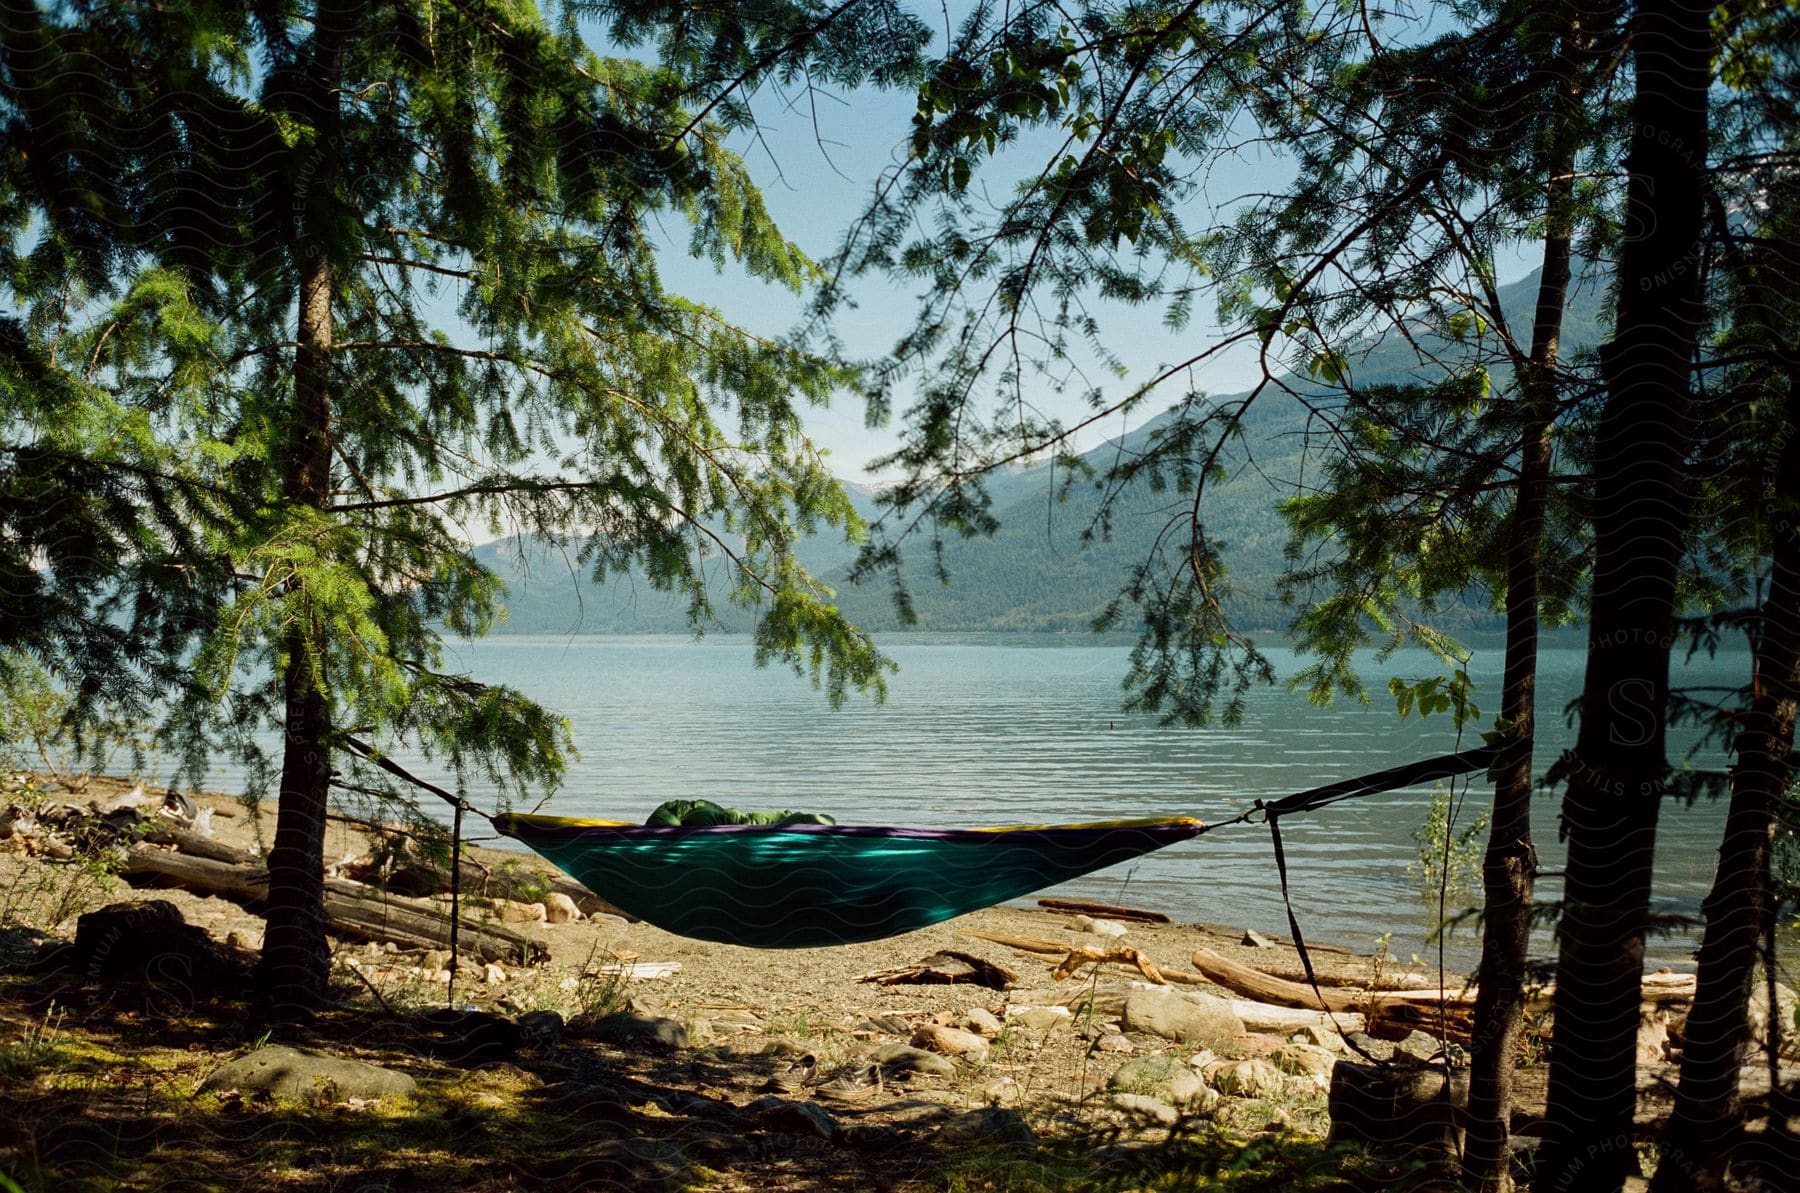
x=1077, y=907
x=1025, y=944
x=351, y=909
x=1264, y=987
x=1390, y=1013
x=943, y=969
x=195, y=845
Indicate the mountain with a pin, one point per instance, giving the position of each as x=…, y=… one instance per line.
x=1036, y=573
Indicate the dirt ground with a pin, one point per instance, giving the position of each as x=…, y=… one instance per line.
x=693, y=1115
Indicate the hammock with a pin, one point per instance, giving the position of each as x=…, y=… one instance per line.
x=806, y=885
x=810, y=885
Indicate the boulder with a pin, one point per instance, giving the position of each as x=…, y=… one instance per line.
x=1252, y=1078
x=1319, y=1037
x=1161, y=1077
x=1040, y=1018
x=513, y=912
x=906, y=1059
x=950, y=1041
x=629, y=1027
x=806, y=1119
x=471, y=1037
x=150, y=941
x=1146, y=1107
x=992, y=1126
x=1255, y=1043
x=1004, y=1092
x=1186, y=1018
x=296, y=1076
x=1308, y=1061
x=1411, y=1111
x=981, y=1021
x=1420, y=1046
x=560, y=909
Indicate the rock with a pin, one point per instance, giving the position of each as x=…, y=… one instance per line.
x=1188, y=1019
x=906, y=1059
x=298, y=1076
x=1113, y=1042
x=1110, y=928
x=1161, y=1077
x=1255, y=1043
x=472, y=1037
x=981, y=1021
x=1004, y=1092
x=1308, y=1061
x=1144, y=1106
x=1393, y=1109
x=151, y=942
x=1419, y=1046
x=950, y=1041
x=796, y=1118
x=492, y=974
x=560, y=909
x=540, y=1027
x=990, y=1126
x=513, y=912
x=1256, y=940
x=1319, y=1037
x=629, y=1027
x=871, y=1137
x=1252, y=1078
x=886, y=1025
x=1040, y=1018
x=1368, y=1044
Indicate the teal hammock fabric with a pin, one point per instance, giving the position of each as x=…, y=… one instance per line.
x=811, y=885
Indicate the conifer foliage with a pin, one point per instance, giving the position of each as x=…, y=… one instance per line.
x=303, y=296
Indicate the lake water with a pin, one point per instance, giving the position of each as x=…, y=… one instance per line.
x=986, y=730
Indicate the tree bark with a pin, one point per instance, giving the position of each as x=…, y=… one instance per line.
x=1695, y=1149
x=1509, y=868
x=295, y=970
x=1617, y=771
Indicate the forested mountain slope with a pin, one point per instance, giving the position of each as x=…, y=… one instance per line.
x=1036, y=573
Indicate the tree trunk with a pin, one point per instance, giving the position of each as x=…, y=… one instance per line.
x=1616, y=772
x=1509, y=868
x=1707, y=1108
x=295, y=969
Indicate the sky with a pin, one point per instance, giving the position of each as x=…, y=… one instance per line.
x=817, y=158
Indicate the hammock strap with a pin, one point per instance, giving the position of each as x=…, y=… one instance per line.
x=1306, y=964
x=1443, y=766
x=368, y=754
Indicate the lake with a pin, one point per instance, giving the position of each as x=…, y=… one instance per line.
x=1000, y=729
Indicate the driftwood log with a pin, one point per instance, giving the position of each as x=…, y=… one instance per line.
x=1077, y=907
x=351, y=909
x=945, y=968
x=1393, y=1014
